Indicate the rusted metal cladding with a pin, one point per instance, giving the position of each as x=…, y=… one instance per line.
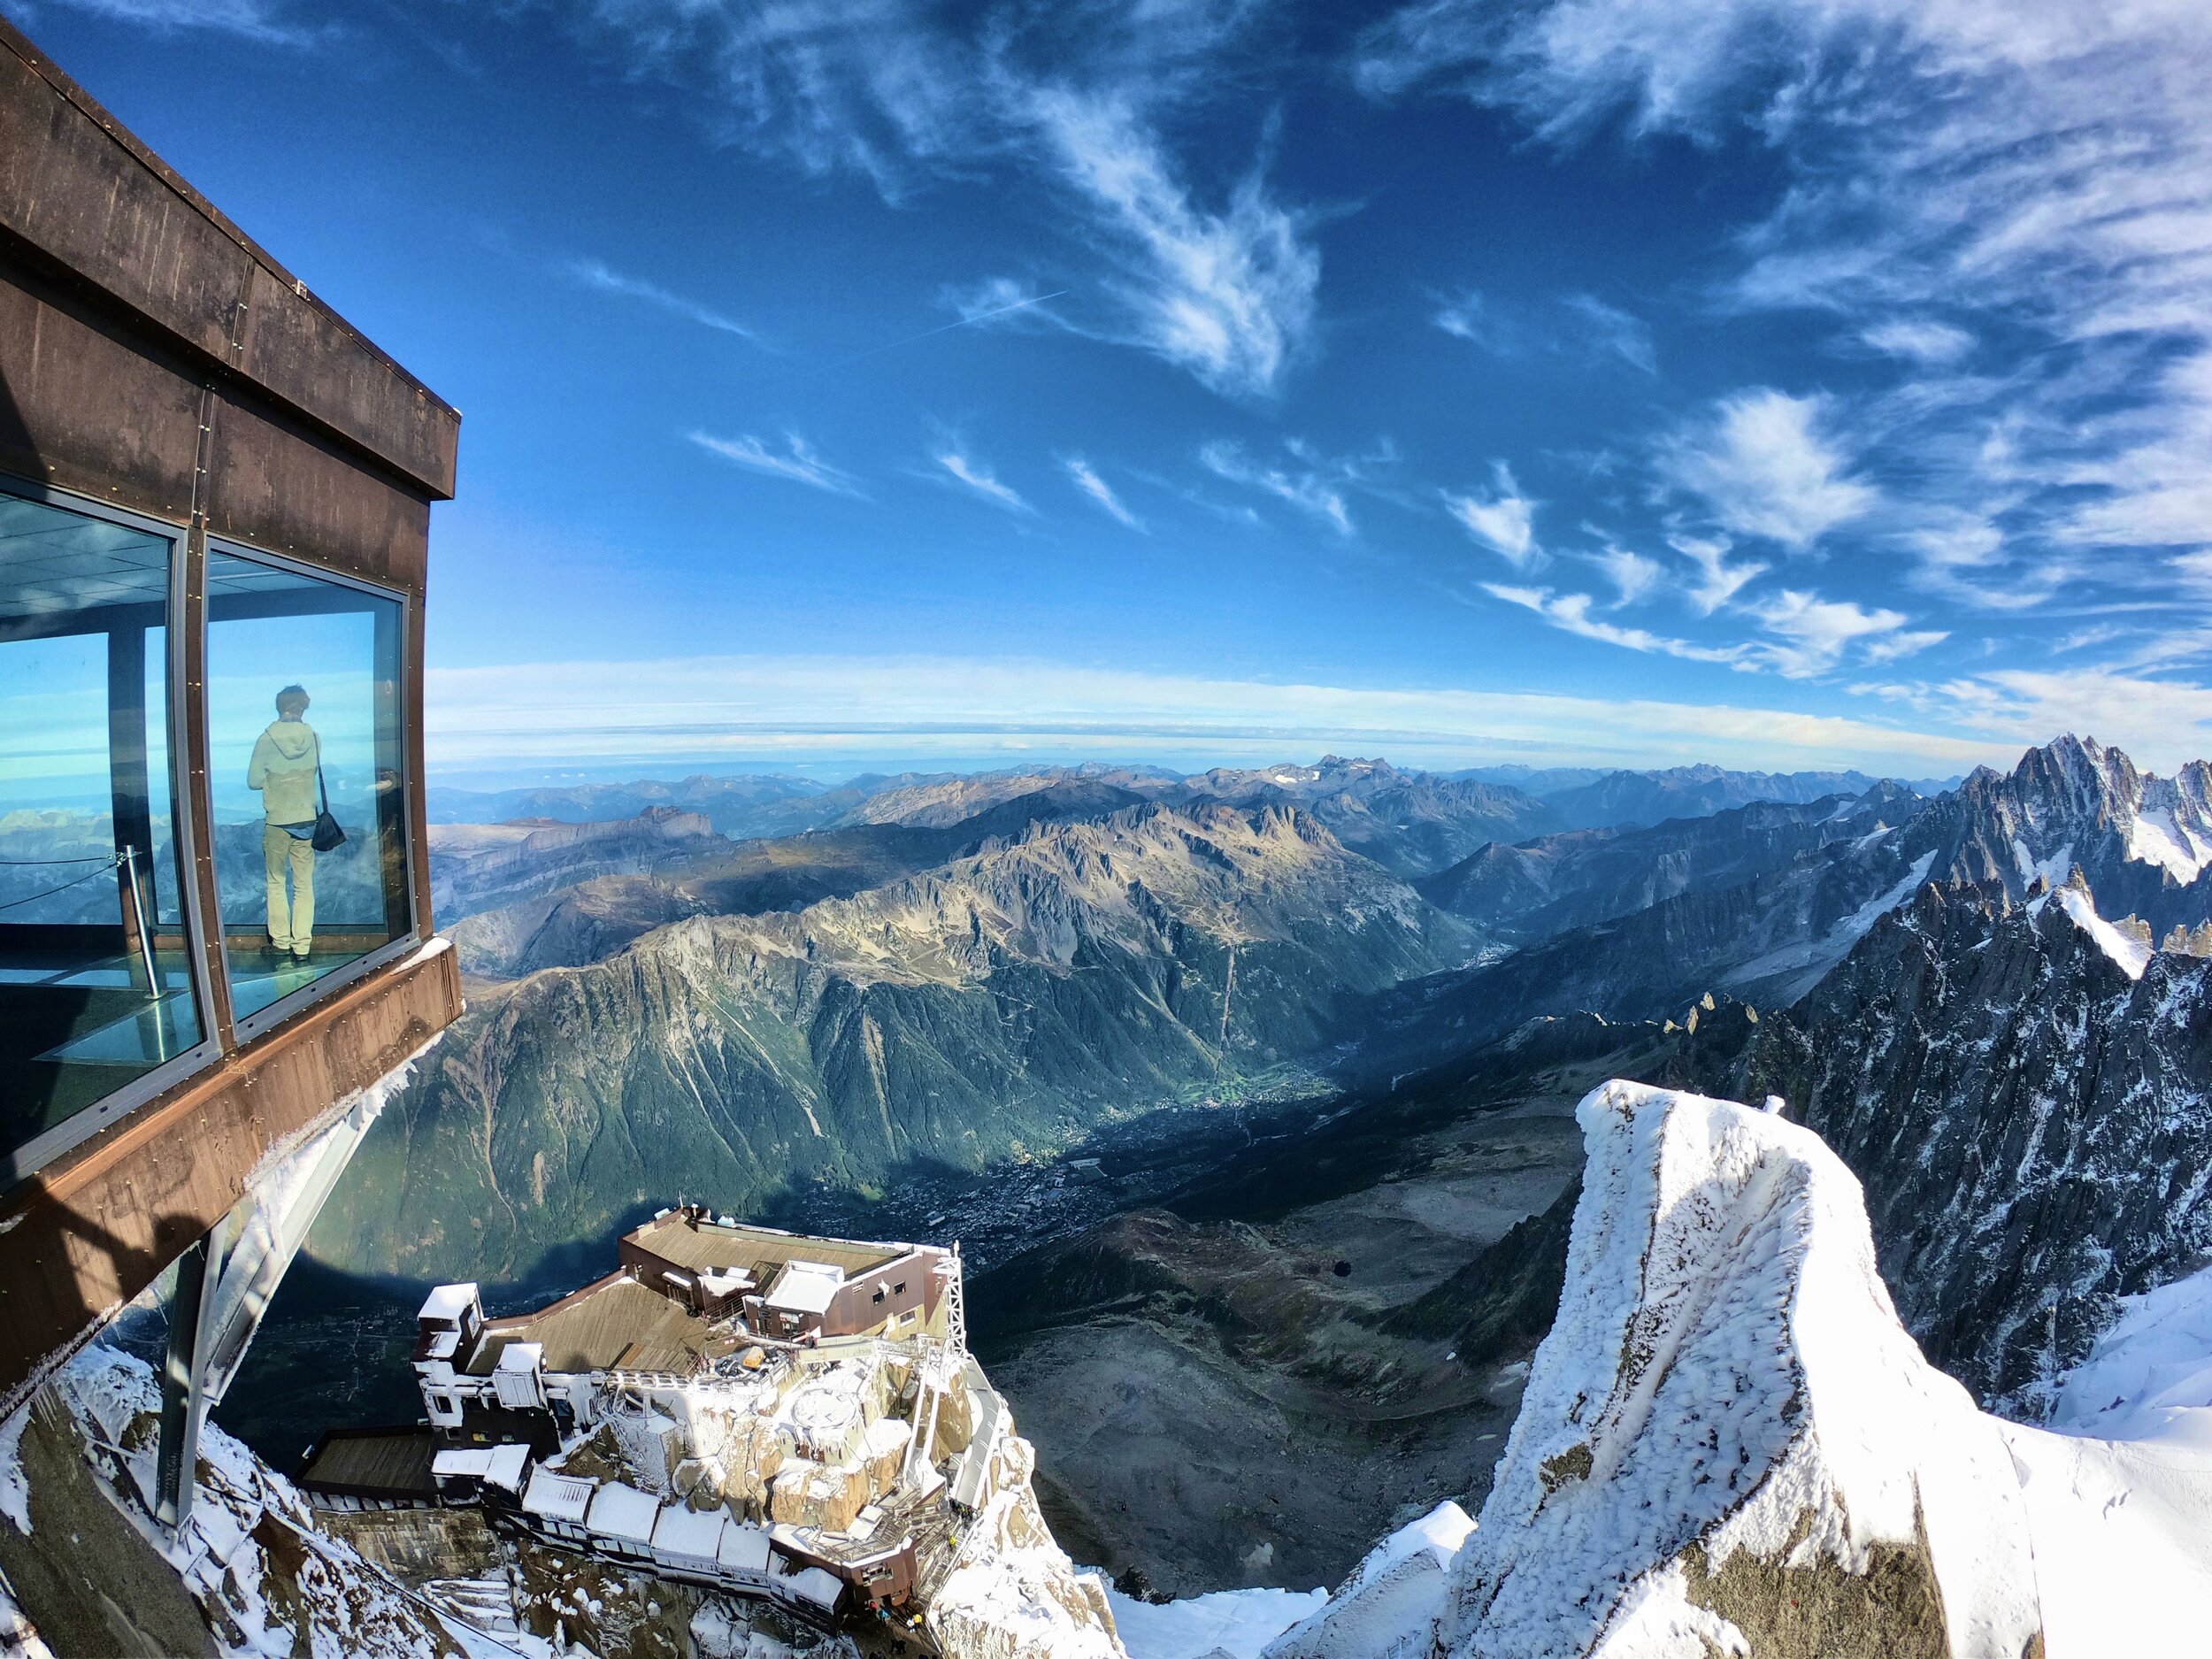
x=79, y=191
x=85, y=406
x=274, y=485
x=90, y=1235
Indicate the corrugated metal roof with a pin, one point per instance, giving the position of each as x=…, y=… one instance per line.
x=374, y=1464
x=616, y=1323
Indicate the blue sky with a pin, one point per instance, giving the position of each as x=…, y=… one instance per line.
x=864, y=383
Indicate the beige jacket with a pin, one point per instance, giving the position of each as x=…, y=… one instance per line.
x=285, y=759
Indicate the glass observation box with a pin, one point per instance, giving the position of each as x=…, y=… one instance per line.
x=215, y=928
x=107, y=941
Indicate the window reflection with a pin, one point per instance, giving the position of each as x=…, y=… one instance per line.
x=95, y=980
x=302, y=695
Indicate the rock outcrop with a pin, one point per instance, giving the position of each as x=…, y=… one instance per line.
x=2031, y=1114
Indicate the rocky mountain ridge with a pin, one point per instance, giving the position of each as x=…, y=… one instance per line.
x=2031, y=1119
x=1001, y=1002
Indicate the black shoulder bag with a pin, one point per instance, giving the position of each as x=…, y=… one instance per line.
x=326, y=833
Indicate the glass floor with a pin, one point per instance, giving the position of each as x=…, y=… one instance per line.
x=258, y=981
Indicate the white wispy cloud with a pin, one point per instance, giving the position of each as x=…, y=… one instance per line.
x=1570, y=612
x=1717, y=581
x=1958, y=172
x=1220, y=281
x=1504, y=521
x=594, y=273
x=798, y=463
x=907, y=708
x=1811, y=633
x=1634, y=576
x=979, y=478
x=1609, y=328
x=1227, y=295
x=1568, y=326
x=267, y=21
x=1766, y=465
x=1087, y=480
x=1313, y=491
x=1918, y=338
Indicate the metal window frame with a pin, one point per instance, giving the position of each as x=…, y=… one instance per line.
x=22, y=1163
x=244, y=1031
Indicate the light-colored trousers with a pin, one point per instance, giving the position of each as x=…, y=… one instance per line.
x=291, y=923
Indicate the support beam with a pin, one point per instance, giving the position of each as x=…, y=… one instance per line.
x=183, y=1406
x=272, y=1226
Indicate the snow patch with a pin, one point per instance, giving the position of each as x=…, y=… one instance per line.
x=1240, y=1622
x=2052, y=871
x=15, y=1487
x=2156, y=838
x=2148, y=1370
x=2132, y=955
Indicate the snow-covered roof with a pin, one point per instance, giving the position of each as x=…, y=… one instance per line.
x=448, y=1302
x=443, y=1344
x=498, y=1465
x=524, y=1357
x=621, y=1512
x=805, y=1287
x=717, y=1284
x=683, y=1531
x=506, y=1466
x=557, y=1497
x=816, y=1586
x=743, y=1548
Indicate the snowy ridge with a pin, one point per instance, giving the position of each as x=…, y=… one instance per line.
x=269, y=1583
x=1390, y=1607
x=1727, y=1407
x=1729, y=1444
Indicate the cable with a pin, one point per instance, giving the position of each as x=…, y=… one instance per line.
x=97, y=858
x=89, y=875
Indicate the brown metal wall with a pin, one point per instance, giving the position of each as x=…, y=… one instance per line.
x=87, y=1235
x=152, y=357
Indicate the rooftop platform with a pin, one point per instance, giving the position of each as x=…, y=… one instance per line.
x=615, y=1325
x=705, y=1245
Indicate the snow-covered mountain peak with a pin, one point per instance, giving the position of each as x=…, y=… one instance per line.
x=2143, y=842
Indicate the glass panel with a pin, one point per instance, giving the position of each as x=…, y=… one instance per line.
x=302, y=699
x=94, y=985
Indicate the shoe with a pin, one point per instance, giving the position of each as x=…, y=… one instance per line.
x=299, y=956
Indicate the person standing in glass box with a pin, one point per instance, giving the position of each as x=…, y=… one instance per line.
x=285, y=759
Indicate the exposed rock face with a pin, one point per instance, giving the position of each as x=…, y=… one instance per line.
x=1012, y=1592
x=1766, y=940
x=1411, y=823
x=584, y=921
x=1727, y=1442
x=1011, y=998
x=2144, y=843
x=2033, y=1125
x=249, y=1574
